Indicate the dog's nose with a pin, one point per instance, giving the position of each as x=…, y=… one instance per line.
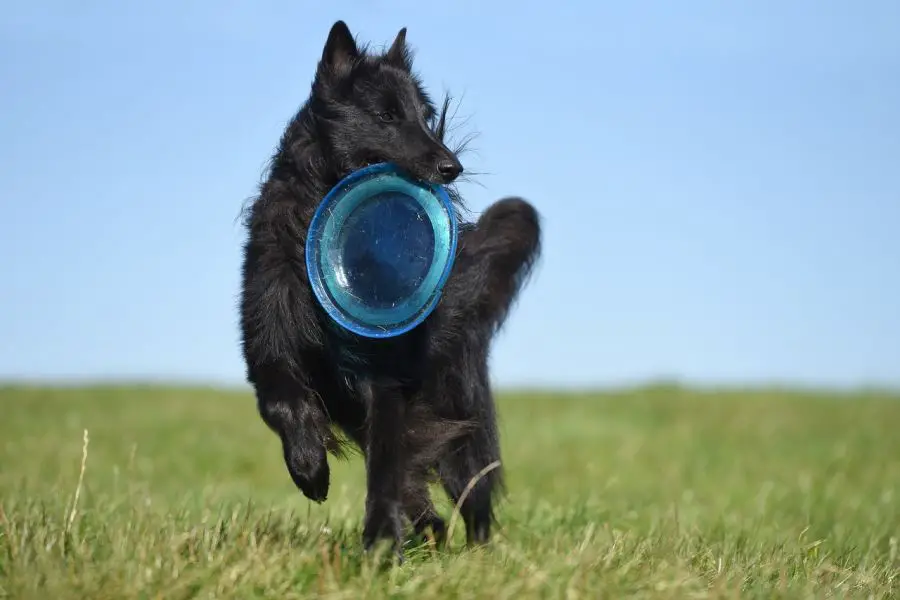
x=449, y=169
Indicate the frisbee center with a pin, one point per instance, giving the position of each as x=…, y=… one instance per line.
x=387, y=250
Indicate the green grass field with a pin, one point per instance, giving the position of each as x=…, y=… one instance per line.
x=650, y=493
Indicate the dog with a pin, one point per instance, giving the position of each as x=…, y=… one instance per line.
x=418, y=406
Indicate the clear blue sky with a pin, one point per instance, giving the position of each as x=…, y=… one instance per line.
x=720, y=181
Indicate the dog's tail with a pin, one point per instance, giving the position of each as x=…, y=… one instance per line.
x=495, y=258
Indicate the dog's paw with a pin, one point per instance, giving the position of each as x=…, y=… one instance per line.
x=430, y=528
x=310, y=471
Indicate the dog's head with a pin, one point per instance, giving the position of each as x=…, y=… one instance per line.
x=372, y=108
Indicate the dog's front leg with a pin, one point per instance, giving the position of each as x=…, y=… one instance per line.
x=385, y=456
x=294, y=412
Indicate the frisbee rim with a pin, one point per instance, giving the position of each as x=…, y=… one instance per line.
x=316, y=274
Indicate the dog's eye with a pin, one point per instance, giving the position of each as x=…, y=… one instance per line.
x=386, y=116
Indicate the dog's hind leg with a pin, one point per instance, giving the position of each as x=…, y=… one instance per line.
x=496, y=256
x=468, y=462
x=294, y=412
x=419, y=509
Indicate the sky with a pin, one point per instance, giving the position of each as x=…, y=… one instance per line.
x=719, y=182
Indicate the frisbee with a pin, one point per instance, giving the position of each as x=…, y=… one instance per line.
x=379, y=249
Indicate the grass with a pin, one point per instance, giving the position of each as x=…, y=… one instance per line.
x=649, y=493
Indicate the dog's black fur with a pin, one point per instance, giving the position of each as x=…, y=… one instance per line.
x=416, y=405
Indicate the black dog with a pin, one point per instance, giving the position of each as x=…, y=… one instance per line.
x=418, y=404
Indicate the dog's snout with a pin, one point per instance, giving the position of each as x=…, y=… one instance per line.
x=449, y=169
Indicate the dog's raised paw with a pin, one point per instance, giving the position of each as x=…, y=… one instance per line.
x=310, y=472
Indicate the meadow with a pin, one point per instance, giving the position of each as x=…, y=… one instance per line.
x=654, y=492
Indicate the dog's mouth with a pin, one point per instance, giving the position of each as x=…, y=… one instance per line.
x=426, y=176
x=367, y=162
x=352, y=166
x=374, y=160
x=369, y=158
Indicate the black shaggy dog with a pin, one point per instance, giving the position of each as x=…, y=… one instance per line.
x=418, y=405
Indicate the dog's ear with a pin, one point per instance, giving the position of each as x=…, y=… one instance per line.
x=398, y=54
x=340, y=48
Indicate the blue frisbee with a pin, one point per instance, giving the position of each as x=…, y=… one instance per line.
x=379, y=249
